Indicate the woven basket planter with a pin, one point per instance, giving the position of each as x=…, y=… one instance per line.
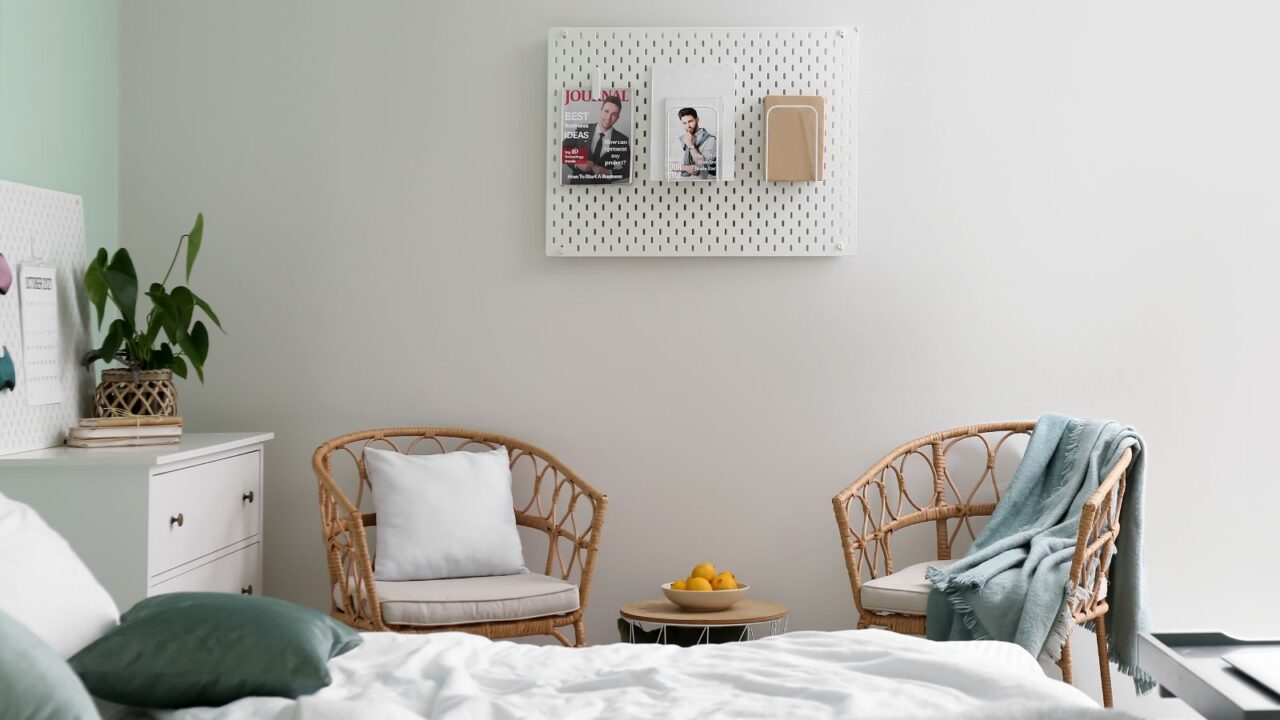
x=142, y=392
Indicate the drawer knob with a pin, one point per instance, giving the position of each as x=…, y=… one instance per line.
x=176, y=520
x=246, y=590
x=247, y=496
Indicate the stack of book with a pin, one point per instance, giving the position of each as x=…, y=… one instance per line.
x=125, y=431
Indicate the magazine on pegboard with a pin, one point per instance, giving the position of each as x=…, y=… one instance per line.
x=596, y=137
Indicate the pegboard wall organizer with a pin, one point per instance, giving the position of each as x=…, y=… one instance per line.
x=44, y=227
x=745, y=217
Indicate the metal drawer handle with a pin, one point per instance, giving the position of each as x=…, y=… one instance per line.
x=176, y=520
x=247, y=590
x=247, y=496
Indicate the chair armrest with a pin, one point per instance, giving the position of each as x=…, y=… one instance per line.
x=864, y=534
x=588, y=542
x=1095, y=543
x=572, y=545
x=353, y=597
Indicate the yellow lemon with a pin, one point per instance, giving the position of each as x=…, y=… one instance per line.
x=724, y=581
x=677, y=585
x=706, y=571
x=698, y=583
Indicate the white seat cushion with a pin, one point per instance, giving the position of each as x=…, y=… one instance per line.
x=905, y=592
x=457, y=601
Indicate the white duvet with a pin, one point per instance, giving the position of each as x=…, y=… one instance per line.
x=850, y=674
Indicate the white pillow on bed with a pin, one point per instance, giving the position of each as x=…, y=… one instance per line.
x=45, y=586
x=443, y=516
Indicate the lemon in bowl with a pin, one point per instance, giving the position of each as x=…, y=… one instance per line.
x=706, y=571
x=705, y=590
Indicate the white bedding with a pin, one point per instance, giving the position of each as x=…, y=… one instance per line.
x=850, y=674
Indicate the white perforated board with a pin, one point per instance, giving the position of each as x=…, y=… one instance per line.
x=746, y=217
x=44, y=227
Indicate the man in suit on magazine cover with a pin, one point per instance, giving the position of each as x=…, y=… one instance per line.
x=608, y=150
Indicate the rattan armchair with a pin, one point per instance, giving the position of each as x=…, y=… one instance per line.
x=551, y=501
x=914, y=485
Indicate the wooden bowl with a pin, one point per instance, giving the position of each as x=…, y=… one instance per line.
x=705, y=600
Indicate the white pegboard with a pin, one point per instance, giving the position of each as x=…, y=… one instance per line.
x=746, y=217
x=44, y=227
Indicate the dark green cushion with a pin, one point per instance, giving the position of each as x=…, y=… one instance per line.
x=36, y=684
x=189, y=649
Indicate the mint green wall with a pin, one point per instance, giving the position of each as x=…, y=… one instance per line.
x=59, y=119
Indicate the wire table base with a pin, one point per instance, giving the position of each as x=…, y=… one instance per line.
x=745, y=631
x=662, y=622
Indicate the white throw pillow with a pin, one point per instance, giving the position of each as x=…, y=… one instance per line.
x=443, y=516
x=46, y=586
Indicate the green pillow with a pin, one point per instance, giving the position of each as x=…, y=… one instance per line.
x=189, y=649
x=35, y=683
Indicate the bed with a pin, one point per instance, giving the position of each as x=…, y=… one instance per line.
x=68, y=630
x=848, y=674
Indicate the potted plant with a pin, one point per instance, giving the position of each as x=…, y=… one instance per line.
x=169, y=340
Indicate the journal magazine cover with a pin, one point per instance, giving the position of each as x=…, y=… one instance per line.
x=596, y=141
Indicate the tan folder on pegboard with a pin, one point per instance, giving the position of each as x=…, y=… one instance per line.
x=793, y=137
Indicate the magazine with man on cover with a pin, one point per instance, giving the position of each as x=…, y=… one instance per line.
x=693, y=143
x=596, y=140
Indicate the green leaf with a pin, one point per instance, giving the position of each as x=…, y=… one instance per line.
x=149, y=335
x=200, y=342
x=165, y=313
x=193, y=243
x=194, y=349
x=185, y=304
x=161, y=358
x=180, y=367
x=111, y=343
x=122, y=279
x=188, y=346
x=207, y=310
x=95, y=284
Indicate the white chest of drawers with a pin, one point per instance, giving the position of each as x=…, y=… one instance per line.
x=151, y=520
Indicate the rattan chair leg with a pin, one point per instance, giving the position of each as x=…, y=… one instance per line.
x=1104, y=658
x=1064, y=663
x=579, y=633
x=560, y=636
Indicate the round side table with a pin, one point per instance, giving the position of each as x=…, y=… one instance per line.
x=746, y=620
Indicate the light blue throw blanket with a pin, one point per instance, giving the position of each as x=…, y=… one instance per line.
x=1012, y=585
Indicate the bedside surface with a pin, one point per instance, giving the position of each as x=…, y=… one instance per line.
x=193, y=445
x=1190, y=666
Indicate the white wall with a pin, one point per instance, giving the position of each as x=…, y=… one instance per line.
x=1064, y=206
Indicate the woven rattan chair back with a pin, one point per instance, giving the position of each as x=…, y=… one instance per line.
x=915, y=485
x=551, y=503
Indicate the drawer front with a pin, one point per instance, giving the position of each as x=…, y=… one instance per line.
x=239, y=572
x=199, y=510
